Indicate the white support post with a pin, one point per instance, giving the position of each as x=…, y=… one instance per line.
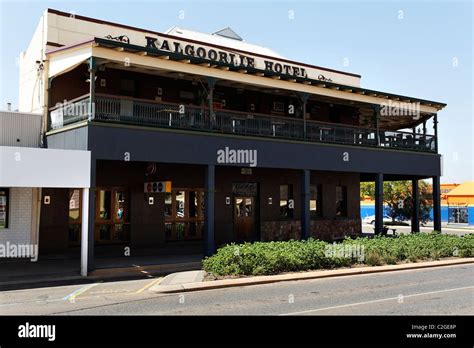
x=84, y=231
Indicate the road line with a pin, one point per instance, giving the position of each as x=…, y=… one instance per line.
x=375, y=301
x=76, y=293
x=155, y=281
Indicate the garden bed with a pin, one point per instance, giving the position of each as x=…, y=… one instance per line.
x=266, y=258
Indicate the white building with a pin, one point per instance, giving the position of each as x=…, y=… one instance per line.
x=25, y=169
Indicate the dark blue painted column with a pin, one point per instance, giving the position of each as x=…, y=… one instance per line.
x=415, y=216
x=305, y=196
x=304, y=101
x=209, y=244
x=378, y=203
x=436, y=204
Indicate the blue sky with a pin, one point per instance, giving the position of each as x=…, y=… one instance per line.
x=404, y=47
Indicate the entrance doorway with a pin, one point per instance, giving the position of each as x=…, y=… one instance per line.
x=245, y=206
x=458, y=215
x=112, y=224
x=244, y=218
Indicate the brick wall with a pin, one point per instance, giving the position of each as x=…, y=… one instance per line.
x=330, y=230
x=280, y=230
x=20, y=217
x=327, y=230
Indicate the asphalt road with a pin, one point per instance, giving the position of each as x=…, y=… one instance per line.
x=438, y=291
x=459, y=231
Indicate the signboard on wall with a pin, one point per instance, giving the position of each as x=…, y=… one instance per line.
x=3, y=208
x=157, y=187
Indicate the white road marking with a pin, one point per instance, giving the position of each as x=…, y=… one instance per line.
x=375, y=301
x=155, y=281
x=76, y=293
x=35, y=301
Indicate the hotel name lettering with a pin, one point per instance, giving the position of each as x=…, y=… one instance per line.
x=215, y=55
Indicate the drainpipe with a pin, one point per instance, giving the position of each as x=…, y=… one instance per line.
x=46, y=104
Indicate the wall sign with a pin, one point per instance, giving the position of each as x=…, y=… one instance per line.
x=223, y=56
x=157, y=187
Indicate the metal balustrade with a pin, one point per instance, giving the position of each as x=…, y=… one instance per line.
x=165, y=115
x=70, y=112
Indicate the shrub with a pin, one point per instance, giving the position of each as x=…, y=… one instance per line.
x=262, y=258
x=373, y=258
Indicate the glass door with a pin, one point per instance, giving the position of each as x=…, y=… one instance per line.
x=244, y=218
x=184, y=214
x=112, y=225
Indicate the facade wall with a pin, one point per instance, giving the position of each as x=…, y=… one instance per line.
x=109, y=142
x=31, y=86
x=269, y=181
x=21, y=219
x=54, y=228
x=20, y=129
x=67, y=29
x=147, y=222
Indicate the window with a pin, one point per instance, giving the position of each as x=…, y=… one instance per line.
x=4, y=206
x=168, y=205
x=458, y=215
x=287, y=203
x=341, y=201
x=184, y=214
x=112, y=216
x=104, y=204
x=315, y=201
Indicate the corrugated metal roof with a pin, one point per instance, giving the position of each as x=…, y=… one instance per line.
x=466, y=189
x=222, y=41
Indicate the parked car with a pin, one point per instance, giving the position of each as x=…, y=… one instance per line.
x=371, y=219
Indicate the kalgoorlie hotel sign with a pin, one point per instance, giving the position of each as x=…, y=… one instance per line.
x=229, y=57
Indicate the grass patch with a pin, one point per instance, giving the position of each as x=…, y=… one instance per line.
x=265, y=258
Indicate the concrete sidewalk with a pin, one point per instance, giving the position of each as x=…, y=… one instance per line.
x=183, y=278
x=188, y=285
x=55, y=272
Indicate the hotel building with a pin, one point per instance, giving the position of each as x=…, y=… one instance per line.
x=198, y=140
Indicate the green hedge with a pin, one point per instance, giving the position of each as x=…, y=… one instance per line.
x=292, y=256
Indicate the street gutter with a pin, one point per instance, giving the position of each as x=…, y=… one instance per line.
x=258, y=280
